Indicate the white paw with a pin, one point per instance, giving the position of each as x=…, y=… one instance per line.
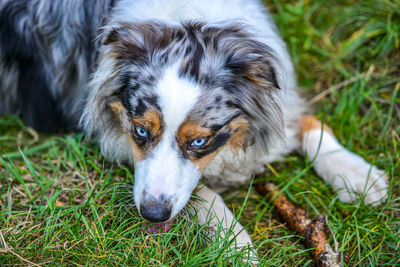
x=243, y=242
x=352, y=177
x=212, y=211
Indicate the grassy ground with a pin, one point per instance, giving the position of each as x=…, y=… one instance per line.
x=62, y=203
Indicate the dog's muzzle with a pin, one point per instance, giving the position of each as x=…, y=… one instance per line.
x=156, y=209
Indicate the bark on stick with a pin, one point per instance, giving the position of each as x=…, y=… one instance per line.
x=314, y=231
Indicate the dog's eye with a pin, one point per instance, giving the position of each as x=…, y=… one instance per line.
x=141, y=132
x=199, y=142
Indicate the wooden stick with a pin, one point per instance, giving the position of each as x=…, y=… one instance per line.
x=312, y=230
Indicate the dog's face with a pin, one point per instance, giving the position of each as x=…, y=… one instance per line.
x=179, y=94
x=175, y=129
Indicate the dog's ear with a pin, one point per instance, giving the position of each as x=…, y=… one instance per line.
x=254, y=81
x=138, y=41
x=251, y=59
x=125, y=40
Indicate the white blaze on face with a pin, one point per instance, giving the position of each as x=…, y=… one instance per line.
x=165, y=171
x=177, y=97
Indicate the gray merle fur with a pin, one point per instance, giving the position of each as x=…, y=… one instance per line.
x=48, y=51
x=234, y=70
x=51, y=47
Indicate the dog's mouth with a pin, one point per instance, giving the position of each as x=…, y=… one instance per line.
x=153, y=228
x=159, y=227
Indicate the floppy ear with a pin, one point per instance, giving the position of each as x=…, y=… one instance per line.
x=138, y=41
x=254, y=83
x=126, y=41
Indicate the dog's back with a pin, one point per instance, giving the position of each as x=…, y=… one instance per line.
x=46, y=55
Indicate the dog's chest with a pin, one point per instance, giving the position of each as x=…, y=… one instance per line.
x=234, y=168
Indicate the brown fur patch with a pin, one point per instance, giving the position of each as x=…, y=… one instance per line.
x=202, y=163
x=191, y=130
x=137, y=153
x=117, y=108
x=150, y=120
x=254, y=78
x=241, y=127
x=261, y=73
x=309, y=123
x=122, y=116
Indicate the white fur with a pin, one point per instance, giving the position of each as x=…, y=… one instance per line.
x=165, y=172
x=177, y=97
x=113, y=143
x=349, y=174
x=213, y=12
x=232, y=168
x=229, y=166
x=211, y=209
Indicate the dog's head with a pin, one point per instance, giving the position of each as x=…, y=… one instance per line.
x=169, y=98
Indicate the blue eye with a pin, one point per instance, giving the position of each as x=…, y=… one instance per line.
x=199, y=142
x=141, y=132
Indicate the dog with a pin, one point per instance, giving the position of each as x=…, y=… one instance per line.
x=189, y=92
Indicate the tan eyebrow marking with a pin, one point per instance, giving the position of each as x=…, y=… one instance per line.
x=151, y=120
x=121, y=114
x=191, y=130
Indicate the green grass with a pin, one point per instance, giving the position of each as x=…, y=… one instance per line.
x=62, y=203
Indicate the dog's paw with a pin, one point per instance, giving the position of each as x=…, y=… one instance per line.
x=353, y=178
x=368, y=182
x=243, y=243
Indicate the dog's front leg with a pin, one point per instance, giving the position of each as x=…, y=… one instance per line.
x=348, y=173
x=212, y=210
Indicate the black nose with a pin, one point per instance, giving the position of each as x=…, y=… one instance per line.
x=155, y=210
